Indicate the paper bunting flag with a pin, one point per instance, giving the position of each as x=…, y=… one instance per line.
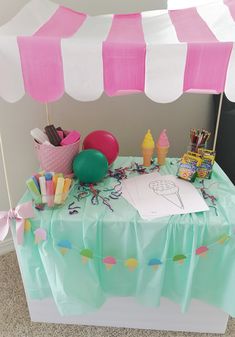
x=131, y=264
x=64, y=246
x=86, y=254
x=223, y=239
x=202, y=251
x=109, y=262
x=40, y=235
x=27, y=225
x=154, y=263
x=179, y=258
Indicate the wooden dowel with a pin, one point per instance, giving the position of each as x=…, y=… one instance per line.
x=218, y=120
x=5, y=173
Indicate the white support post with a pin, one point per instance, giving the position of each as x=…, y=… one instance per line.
x=5, y=173
x=48, y=114
x=218, y=120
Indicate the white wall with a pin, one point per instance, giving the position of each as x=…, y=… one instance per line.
x=128, y=116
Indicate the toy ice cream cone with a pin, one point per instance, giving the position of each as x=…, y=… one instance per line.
x=162, y=147
x=147, y=149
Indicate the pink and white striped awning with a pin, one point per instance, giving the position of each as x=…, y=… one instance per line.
x=48, y=49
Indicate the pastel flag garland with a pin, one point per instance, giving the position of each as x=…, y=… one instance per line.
x=132, y=263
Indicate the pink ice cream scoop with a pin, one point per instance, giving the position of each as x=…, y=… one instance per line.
x=163, y=145
x=163, y=139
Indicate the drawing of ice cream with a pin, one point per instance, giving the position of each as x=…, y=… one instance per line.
x=168, y=190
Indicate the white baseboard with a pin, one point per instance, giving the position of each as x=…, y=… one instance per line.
x=6, y=246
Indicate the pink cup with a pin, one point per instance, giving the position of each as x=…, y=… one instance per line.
x=56, y=158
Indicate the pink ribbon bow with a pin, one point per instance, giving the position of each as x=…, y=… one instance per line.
x=19, y=214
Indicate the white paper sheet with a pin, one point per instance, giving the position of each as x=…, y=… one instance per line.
x=156, y=196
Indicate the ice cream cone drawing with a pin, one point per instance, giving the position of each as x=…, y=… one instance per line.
x=162, y=147
x=64, y=246
x=168, y=190
x=147, y=149
x=131, y=264
x=86, y=255
x=109, y=262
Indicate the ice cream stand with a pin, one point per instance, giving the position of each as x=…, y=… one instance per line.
x=47, y=50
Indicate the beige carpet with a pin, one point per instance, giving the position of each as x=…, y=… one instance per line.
x=15, y=321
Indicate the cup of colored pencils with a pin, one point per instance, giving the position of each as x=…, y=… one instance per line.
x=198, y=139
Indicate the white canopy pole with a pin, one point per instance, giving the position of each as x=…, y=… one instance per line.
x=48, y=114
x=5, y=173
x=218, y=120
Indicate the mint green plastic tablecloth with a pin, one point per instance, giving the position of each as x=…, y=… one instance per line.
x=79, y=288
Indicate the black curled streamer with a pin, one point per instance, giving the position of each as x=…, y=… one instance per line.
x=72, y=208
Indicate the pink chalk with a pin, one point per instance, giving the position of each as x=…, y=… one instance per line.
x=71, y=138
x=50, y=193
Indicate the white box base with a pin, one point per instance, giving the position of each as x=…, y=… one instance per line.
x=127, y=313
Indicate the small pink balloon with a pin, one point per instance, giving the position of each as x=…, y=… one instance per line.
x=104, y=142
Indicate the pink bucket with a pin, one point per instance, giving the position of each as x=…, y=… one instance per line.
x=56, y=158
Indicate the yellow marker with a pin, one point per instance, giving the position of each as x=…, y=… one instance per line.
x=67, y=184
x=59, y=191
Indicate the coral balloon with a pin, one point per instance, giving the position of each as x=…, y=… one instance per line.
x=90, y=166
x=104, y=142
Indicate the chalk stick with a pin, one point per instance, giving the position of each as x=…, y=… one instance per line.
x=59, y=190
x=34, y=191
x=42, y=182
